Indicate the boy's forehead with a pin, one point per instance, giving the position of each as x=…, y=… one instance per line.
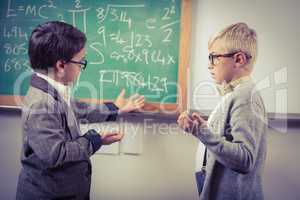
x=80, y=54
x=217, y=47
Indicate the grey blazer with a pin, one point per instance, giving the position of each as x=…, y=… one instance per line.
x=236, y=143
x=55, y=158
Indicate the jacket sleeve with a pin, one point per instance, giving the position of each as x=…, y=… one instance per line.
x=46, y=135
x=94, y=112
x=246, y=129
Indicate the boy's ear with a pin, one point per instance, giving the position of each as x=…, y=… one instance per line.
x=240, y=59
x=60, y=68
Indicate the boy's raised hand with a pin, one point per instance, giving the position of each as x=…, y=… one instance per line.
x=191, y=123
x=184, y=121
x=109, y=138
x=199, y=120
x=134, y=102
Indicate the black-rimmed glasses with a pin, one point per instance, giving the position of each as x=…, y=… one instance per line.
x=212, y=56
x=82, y=63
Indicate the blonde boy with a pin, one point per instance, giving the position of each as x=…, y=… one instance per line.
x=235, y=133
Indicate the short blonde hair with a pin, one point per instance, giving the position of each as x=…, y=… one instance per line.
x=237, y=37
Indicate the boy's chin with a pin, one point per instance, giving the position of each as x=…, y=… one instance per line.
x=217, y=81
x=72, y=84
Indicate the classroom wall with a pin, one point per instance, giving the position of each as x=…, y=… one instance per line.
x=164, y=170
x=276, y=70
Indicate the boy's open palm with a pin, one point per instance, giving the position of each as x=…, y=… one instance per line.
x=109, y=138
x=134, y=102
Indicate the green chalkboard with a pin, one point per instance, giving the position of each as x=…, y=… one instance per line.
x=131, y=44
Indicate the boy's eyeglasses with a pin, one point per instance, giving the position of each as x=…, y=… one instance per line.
x=82, y=63
x=212, y=57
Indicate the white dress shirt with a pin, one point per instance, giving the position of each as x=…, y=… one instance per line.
x=63, y=90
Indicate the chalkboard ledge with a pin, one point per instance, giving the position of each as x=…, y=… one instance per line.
x=292, y=119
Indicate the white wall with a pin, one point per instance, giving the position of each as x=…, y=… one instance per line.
x=277, y=69
x=165, y=169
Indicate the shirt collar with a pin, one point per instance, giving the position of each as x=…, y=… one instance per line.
x=63, y=90
x=229, y=87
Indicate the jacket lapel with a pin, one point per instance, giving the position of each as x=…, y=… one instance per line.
x=41, y=84
x=71, y=123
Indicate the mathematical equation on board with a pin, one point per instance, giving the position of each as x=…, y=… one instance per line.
x=132, y=40
x=153, y=83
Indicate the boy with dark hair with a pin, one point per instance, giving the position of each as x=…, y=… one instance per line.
x=55, y=157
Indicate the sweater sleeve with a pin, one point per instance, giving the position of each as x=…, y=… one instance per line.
x=46, y=137
x=95, y=112
x=245, y=128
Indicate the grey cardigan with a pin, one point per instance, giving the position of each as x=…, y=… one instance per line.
x=236, y=143
x=55, y=158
